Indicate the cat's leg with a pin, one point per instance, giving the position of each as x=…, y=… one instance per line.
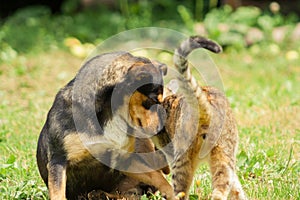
x=237, y=192
x=183, y=169
x=222, y=170
x=182, y=177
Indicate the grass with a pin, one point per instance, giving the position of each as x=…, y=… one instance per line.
x=264, y=95
x=266, y=102
x=262, y=86
x=27, y=90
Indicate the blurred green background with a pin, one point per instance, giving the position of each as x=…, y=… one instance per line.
x=93, y=21
x=43, y=46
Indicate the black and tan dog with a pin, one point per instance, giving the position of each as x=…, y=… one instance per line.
x=88, y=140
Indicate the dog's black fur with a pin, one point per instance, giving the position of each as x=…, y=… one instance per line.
x=82, y=112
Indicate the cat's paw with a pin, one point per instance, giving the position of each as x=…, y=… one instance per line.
x=181, y=196
x=238, y=195
x=217, y=195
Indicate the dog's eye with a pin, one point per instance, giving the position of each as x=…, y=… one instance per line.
x=151, y=90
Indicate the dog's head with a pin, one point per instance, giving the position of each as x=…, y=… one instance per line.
x=145, y=79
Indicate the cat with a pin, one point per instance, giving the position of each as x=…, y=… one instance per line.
x=210, y=134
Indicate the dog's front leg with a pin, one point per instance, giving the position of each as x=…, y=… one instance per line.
x=146, y=173
x=57, y=180
x=156, y=179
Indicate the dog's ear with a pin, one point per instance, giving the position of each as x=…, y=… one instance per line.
x=163, y=68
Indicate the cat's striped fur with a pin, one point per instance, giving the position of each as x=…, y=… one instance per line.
x=216, y=138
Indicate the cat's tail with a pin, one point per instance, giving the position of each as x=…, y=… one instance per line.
x=201, y=93
x=190, y=44
x=185, y=48
x=181, y=62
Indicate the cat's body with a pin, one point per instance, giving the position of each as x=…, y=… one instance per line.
x=213, y=139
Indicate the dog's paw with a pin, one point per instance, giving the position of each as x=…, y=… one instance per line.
x=96, y=194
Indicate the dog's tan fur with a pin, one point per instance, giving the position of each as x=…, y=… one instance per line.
x=68, y=153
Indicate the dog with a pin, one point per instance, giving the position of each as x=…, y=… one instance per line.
x=88, y=141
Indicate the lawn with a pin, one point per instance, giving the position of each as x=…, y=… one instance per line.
x=262, y=86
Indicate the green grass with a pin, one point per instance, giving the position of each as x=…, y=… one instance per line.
x=264, y=95
x=265, y=98
x=25, y=99
x=262, y=86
